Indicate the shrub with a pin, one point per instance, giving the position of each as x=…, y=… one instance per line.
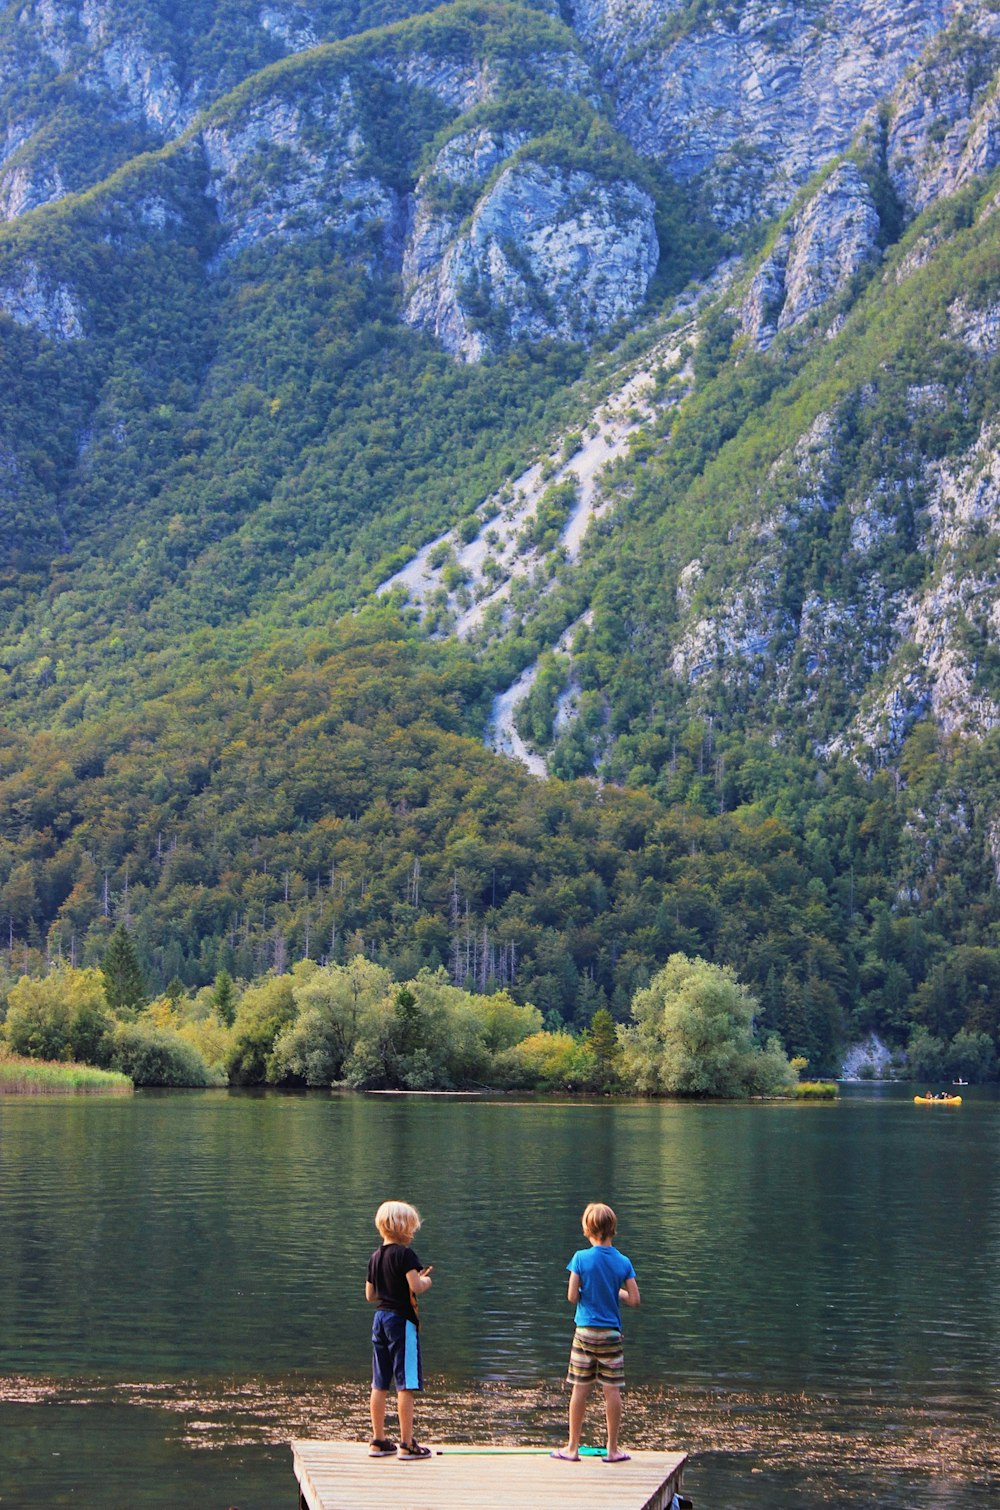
x=335, y=1006
x=972, y=1057
x=548, y=1061
x=264, y=1010
x=925, y=1056
x=61, y=1016
x=156, y=1056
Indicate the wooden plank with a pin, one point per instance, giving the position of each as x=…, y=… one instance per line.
x=341, y=1476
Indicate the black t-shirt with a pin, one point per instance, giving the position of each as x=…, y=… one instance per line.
x=387, y=1271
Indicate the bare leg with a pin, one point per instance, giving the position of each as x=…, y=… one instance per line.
x=577, y=1411
x=378, y=1414
x=404, y=1404
x=613, y=1411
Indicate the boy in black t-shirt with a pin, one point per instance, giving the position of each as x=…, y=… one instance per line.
x=395, y=1279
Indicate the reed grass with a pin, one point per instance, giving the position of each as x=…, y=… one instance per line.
x=43, y=1077
x=815, y=1090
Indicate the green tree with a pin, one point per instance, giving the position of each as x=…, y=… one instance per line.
x=972, y=1057
x=334, y=1006
x=124, y=983
x=925, y=1056
x=224, y=998
x=602, y=1039
x=265, y=1009
x=693, y=1035
x=61, y=1016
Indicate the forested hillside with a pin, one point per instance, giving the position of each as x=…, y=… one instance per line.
x=289, y=292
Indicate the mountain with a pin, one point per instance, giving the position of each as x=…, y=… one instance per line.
x=617, y=385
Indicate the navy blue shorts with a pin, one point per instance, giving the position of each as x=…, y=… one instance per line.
x=395, y=1352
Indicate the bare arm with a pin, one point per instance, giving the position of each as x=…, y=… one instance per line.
x=419, y=1280
x=573, y=1289
x=370, y=1294
x=629, y=1293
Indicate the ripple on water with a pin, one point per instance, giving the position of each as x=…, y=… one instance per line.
x=820, y=1291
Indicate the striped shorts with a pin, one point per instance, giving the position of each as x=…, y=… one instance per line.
x=597, y=1353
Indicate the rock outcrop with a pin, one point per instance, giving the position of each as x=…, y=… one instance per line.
x=548, y=252
x=815, y=255
x=944, y=126
x=109, y=52
x=283, y=169
x=33, y=300
x=751, y=99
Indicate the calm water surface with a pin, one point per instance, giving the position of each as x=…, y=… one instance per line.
x=181, y=1288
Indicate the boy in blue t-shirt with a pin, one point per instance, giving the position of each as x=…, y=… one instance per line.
x=600, y=1280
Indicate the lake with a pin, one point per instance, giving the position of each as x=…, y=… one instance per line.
x=182, y=1288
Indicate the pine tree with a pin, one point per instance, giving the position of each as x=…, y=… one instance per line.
x=602, y=1038
x=224, y=997
x=124, y=984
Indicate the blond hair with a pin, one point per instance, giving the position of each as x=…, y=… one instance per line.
x=396, y=1221
x=599, y=1221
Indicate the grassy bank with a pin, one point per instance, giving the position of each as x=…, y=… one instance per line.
x=815, y=1090
x=42, y=1077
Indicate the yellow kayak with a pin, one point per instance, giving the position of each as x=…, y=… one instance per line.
x=938, y=1100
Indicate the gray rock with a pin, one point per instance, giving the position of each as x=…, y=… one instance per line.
x=814, y=257
x=945, y=123
x=290, y=24
x=463, y=82
x=24, y=187
x=554, y=252
x=751, y=98
x=92, y=39
x=286, y=169
x=51, y=308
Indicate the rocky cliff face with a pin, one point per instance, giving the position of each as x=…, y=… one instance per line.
x=745, y=101
x=110, y=49
x=284, y=169
x=751, y=99
x=815, y=256
x=548, y=251
x=944, y=119
x=32, y=299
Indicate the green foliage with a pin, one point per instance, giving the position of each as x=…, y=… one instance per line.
x=548, y=1061
x=602, y=1041
x=124, y=984
x=151, y=1056
x=61, y=1016
x=693, y=1035
x=925, y=1056
x=201, y=736
x=336, y=1007
x=264, y=1011
x=224, y=997
x=535, y=714
x=970, y=1056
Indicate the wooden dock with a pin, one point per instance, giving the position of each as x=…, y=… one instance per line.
x=341, y=1476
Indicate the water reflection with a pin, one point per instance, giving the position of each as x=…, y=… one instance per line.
x=819, y=1282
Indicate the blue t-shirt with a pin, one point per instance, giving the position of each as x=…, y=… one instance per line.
x=602, y=1273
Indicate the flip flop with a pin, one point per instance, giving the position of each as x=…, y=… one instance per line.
x=563, y=1457
x=623, y=1457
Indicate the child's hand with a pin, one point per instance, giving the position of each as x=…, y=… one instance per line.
x=426, y=1273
